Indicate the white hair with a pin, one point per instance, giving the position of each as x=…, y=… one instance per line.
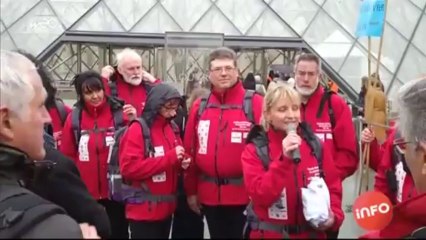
x=16, y=88
x=127, y=53
x=412, y=110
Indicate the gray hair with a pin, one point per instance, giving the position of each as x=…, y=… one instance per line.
x=412, y=110
x=308, y=57
x=16, y=88
x=127, y=52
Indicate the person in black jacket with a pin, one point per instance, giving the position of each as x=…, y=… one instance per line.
x=186, y=223
x=63, y=186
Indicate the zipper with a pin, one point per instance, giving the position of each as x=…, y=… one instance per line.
x=297, y=193
x=216, y=151
x=170, y=147
x=97, y=154
x=131, y=97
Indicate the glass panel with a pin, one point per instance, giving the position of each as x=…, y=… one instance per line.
x=298, y=14
x=391, y=55
x=269, y=24
x=6, y=42
x=356, y=66
x=40, y=27
x=329, y=40
x=403, y=16
x=70, y=11
x=320, y=2
x=156, y=21
x=131, y=12
x=215, y=22
x=99, y=19
x=186, y=12
x=420, y=38
x=11, y=10
x=63, y=65
x=242, y=13
x=413, y=65
x=344, y=12
x=2, y=27
x=393, y=94
x=420, y=3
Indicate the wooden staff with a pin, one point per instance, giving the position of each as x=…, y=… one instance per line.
x=381, y=39
x=369, y=56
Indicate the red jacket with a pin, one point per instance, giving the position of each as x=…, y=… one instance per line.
x=406, y=188
x=407, y=217
x=134, y=95
x=265, y=187
x=216, y=142
x=57, y=123
x=93, y=168
x=136, y=168
x=342, y=140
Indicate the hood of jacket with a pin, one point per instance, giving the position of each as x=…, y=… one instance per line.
x=156, y=98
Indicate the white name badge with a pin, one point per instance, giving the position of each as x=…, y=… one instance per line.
x=83, y=148
x=278, y=210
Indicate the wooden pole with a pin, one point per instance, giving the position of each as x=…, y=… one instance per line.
x=369, y=56
x=381, y=38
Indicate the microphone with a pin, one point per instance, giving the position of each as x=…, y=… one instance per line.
x=295, y=155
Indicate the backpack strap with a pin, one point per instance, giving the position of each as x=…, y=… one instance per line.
x=248, y=105
x=112, y=83
x=21, y=210
x=75, y=123
x=146, y=134
x=60, y=106
x=314, y=143
x=326, y=97
x=257, y=136
x=203, y=105
x=117, y=111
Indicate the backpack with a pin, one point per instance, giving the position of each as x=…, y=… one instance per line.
x=60, y=106
x=116, y=109
x=326, y=97
x=120, y=189
x=247, y=106
x=21, y=210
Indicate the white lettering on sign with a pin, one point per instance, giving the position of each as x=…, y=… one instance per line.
x=323, y=127
x=241, y=126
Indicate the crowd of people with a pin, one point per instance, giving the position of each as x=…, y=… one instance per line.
x=134, y=159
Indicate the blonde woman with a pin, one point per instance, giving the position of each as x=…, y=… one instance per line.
x=274, y=175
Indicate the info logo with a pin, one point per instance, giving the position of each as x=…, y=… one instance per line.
x=372, y=211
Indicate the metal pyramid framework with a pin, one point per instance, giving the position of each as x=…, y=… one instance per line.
x=328, y=26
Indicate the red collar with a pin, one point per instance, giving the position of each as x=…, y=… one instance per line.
x=317, y=95
x=229, y=93
x=95, y=111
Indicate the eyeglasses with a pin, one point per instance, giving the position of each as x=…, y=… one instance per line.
x=227, y=69
x=401, y=143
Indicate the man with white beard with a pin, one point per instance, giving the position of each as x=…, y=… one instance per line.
x=128, y=81
x=328, y=115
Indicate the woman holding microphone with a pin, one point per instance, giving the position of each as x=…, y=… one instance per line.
x=281, y=159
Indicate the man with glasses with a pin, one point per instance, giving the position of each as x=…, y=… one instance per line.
x=393, y=177
x=409, y=216
x=215, y=138
x=331, y=120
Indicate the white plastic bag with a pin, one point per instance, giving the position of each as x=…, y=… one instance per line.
x=316, y=201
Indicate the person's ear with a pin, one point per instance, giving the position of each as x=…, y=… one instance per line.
x=6, y=132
